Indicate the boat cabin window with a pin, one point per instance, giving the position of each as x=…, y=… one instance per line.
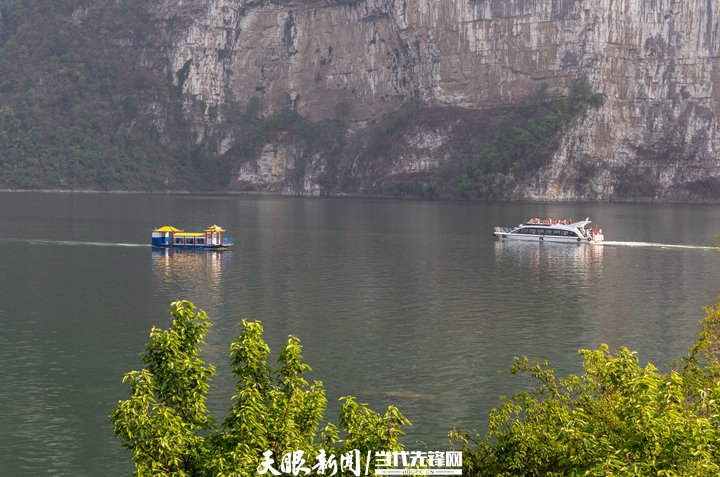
x=179, y=240
x=557, y=232
x=189, y=241
x=524, y=231
x=200, y=240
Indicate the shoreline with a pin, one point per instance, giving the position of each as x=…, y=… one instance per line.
x=351, y=196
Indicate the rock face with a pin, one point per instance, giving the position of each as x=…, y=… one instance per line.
x=657, y=62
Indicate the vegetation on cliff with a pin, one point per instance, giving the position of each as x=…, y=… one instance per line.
x=69, y=102
x=79, y=111
x=527, y=137
x=492, y=152
x=90, y=99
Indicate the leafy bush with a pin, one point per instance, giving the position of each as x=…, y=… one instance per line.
x=165, y=422
x=618, y=418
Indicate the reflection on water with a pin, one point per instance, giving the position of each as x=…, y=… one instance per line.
x=199, y=276
x=556, y=261
x=187, y=272
x=562, y=257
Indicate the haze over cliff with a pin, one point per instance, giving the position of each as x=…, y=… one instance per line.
x=518, y=99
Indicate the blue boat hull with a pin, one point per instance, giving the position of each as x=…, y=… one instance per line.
x=194, y=247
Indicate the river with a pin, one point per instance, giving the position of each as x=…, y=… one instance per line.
x=410, y=303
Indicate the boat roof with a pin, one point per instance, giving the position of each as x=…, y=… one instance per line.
x=170, y=228
x=190, y=234
x=555, y=226
x=574, y=225
x=167, y=228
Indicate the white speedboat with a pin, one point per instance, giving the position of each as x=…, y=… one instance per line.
x=546, y=231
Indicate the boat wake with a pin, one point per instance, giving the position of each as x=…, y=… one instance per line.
x=72, y=242
x=655, y=245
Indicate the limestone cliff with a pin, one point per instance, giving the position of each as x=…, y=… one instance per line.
x=655, y=61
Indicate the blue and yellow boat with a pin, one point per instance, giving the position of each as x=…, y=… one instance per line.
x=170, y=237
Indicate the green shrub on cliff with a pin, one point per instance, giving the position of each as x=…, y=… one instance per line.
x=525, y=142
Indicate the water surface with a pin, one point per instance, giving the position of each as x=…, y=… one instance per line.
x=396, y=302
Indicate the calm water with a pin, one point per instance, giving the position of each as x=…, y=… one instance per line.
x=396, y=302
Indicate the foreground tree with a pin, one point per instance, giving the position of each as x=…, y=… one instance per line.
x=618, y=418
x=167, y=426
x=163, y=421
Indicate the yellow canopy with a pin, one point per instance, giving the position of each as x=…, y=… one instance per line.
x=215, y=228
x=189, y=234
x=167, y=228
